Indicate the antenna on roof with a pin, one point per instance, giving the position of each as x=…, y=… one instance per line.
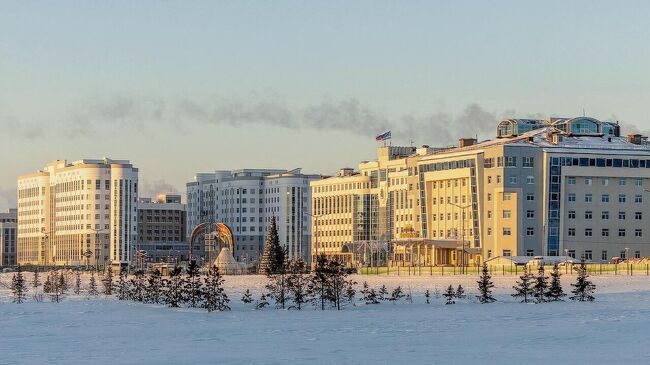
x=583, y=112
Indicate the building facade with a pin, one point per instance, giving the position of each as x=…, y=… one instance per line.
x=551, y=187
x=8, y=226
x=246, y=200
x=162, y=227
x=78, y=213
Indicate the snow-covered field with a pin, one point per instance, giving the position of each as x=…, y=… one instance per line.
x=614, y=329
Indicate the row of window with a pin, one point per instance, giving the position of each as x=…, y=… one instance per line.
x=604, y=232
x=605, y=215
x=604, y=198
x=508, y=161
x=604, y=181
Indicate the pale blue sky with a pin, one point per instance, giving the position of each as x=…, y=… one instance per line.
x=181, y=87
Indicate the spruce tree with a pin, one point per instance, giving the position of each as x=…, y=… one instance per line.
x=122, y=286
x=153, y=292
x=77, y=283
x=297, y=283
x=319, y=282
x=541, y=285
x=427, y=297
x=63, y=282
x=382, y=293
x=173, y=288
x=555, y=292
x=273, y=256
x=36, y=282
x=336, y=283
x=18, y=286
x=47, y=286
x=57, y=289
x=262, y=303
x=247, y=298
x=583, y=288
x=215, y=298
x=450, y=294
x=350, y=292
x=107, y=281
x=92, y=286
x=192, y=289
x=524, y=287
x=369, y=295
x=137, y=286
x=485, y=286
x=396, y=295
x=460, y=292
x=278, y=287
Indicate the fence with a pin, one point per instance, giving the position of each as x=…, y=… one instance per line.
x=503, y=270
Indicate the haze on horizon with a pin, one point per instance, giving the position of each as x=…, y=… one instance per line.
x=180, y=89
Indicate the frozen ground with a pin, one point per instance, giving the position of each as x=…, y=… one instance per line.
x=614, y=329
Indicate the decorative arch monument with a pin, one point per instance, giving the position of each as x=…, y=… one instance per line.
x=221, y=237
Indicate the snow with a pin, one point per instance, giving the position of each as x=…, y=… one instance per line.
x=104, y=330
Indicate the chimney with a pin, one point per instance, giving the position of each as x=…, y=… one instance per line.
x=617, y=130
x=634, y=138
x=346, y=171
x=466, y=142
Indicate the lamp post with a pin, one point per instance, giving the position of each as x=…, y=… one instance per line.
x=314, y=233
x=462, y=232
x=627, y=259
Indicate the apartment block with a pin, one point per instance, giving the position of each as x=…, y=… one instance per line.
x=8, y=226
x=162, y=227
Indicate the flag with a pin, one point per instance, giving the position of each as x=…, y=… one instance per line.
x=383, y=137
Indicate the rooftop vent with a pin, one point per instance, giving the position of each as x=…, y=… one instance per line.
x=634, y=138
x=466, y=142
x=346, y=171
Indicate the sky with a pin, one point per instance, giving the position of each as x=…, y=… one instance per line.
x=184, y=87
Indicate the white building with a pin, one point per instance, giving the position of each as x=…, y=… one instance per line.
x=246, y=200
x=77, y=213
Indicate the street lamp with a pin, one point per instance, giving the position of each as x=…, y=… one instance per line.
x=314, y=233
x=462, y=233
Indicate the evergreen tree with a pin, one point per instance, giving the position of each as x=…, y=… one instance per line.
x=137, y=287
x=583, y=288
x=273, y=256
x=541, y=285
x=524, y=287
x=297, y=283
x=278, y=287
x=450, y=294
x=63, y=282
x=107, y=281
x=318, y=288
x=485, y=286
x=77, y=283
x=427, y=297
x=396, y=295
x=336, y=283
x=192, y=289
x=247, y=298
x=409, y=296
x=153, y=292
x=262, y=303
x=36, y=282
x=382, y=293
x=555, y=292
x=57, y=289
x=215, y=298
x=92, y=286
x=122, y=286
x=369, y=295
x=350, y=292
x=173, y=288
x=47, y=286
x=460, y=292
x=18, y=286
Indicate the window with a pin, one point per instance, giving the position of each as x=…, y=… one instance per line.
x=589, y=198
x=604, y=215
x=530, y=231
x=621, y=216
x=530, y=180
x=530, y=214
x=588, y=232
x=604, y=198
x=637, y=254
x=571, y=180
x=511, y=161
x=571, y=232
x=489, y=231
x=638, y=182
x=507, y=214
x=622, y=255
x=588, y=214
x=588, y=181
x=621, y=232
x=621, y=181
x=571, y=253
x=638, y=216
x=530, y=252
x=603, y=255
x=489, y=197
x=507, y=196
x=489, y=214
x=507, y=253
x=638, y=199
x=604, y=181
x=571, y=197
x=604, y=232
x=528, y=162
x=588, y=255
x=498, y=179
x=506, y=231
x=621, y=198
x=512, y=179
x=530, y=197
x=489, y=179
x=638, y=233
x=572, y=214
x=489, y=253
